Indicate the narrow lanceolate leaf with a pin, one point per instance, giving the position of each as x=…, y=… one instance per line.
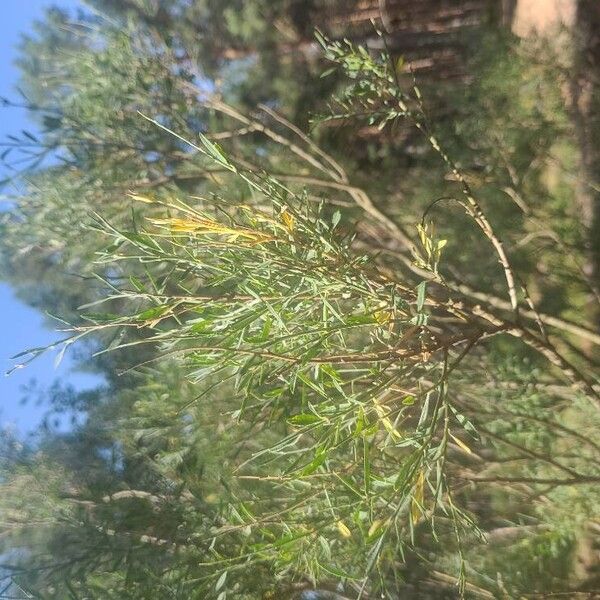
x=416, y=507
x=343, y=529
x=288, y=220
x=214, y=150
x=197, y=226
x=461, y=444
x=304, y=419
x=421, y=290
x=221, y=581
x=320, y=458
x=153, y=313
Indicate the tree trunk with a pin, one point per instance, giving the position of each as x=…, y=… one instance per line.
x=586, y=107
x=582, y=18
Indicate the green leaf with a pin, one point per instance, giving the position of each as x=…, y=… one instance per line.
x=328, y=72
x=467, y=425
x=421, y=290
x=152, y=313
x=319, y=459
x=335, y=219
x=137, y=283
x=221, y=581
x=304, y=419
x=214, y=150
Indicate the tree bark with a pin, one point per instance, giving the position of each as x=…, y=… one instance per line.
x=585, y=109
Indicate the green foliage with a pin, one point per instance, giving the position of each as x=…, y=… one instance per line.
x=308, y=383
x=316, y=354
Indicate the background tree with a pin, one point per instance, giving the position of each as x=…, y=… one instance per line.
x=286, y=403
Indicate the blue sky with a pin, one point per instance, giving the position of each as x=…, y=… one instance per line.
x=20, y=326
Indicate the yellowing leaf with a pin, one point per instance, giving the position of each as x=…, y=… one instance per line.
x=139, y=198
x=208, y=226
x=461, y=445
x=288, y=220
x=389, y=427
x=383, y=316
x=343, y=529
x=374, y=527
